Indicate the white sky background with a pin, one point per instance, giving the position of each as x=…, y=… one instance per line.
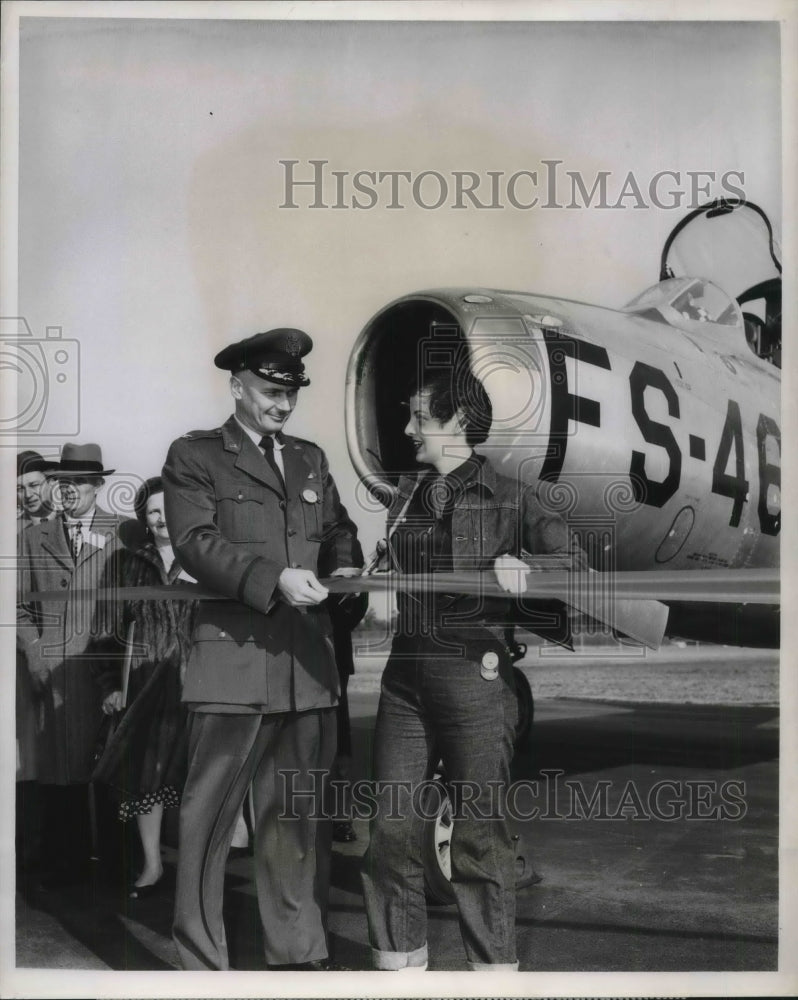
x=149, y=219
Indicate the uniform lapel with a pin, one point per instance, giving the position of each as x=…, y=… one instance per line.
x=300, y=476
x=173, y=572
x=249, y=458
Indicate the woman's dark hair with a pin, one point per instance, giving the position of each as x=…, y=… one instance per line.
x=453, y=390
x=148, y=489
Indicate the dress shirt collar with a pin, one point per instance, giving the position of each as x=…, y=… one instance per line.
x=255, y=438
x=85, y=521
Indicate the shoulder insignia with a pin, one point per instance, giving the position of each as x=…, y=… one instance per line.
x=196, y=435
x=304, y=442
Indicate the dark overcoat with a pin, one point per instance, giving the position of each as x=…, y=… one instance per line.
x=26, y=701
x=57, y=640
x=235, y=531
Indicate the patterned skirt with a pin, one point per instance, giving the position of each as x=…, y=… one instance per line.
x=168, y=796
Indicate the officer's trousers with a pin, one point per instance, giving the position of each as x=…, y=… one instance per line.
x=276, y=755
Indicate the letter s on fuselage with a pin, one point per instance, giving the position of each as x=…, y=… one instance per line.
x=659, y=443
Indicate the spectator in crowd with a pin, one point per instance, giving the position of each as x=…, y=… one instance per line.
x=145, y=758
x=66, y=554
x=33, y=505
x=34, y=488
x=253, y=512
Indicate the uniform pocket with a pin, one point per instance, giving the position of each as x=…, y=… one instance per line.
x=311, y=511
x=239, y=512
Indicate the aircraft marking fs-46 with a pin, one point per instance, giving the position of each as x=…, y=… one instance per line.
x=654, y=429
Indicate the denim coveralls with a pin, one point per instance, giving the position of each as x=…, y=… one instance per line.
x=436, y=704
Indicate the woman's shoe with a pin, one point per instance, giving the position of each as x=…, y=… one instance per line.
x=145, y=891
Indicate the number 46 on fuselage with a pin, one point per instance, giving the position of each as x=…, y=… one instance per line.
x=654, y=429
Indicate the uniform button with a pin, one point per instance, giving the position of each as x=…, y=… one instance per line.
x=240, y=496
x=64, y=583
x=222, y=635
x=296, y=565
x=282, y=505
x=291, y=532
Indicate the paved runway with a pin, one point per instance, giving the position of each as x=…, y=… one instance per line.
x=656, y=837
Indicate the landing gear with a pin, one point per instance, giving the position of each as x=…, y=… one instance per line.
x=438, y=829
x=437, y=843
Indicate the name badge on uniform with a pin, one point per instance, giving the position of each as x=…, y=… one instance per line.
x=489, y=668
x=310, y=496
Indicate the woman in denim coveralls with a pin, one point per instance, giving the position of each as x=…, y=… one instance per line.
x=448, y=691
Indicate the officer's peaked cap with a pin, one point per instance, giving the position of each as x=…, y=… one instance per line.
x=275, y=356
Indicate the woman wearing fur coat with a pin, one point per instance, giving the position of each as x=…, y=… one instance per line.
x=145, y=758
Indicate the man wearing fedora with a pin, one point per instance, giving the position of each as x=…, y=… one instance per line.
x=67, y=554
x=252, y=511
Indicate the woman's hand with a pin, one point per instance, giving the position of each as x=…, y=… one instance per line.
x=511, y=574
x=112, y=703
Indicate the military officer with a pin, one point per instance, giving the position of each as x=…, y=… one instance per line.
x=252, y=511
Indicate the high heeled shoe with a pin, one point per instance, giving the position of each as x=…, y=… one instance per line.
x=138, y=892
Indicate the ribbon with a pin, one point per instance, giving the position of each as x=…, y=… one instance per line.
x=629, y=602
x=739, y=586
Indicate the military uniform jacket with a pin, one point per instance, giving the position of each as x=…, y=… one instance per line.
x=235, y=531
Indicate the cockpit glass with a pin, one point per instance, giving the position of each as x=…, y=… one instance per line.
x=706, y=303
x=695, y=300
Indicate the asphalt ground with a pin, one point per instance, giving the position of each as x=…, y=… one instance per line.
x=656, y=839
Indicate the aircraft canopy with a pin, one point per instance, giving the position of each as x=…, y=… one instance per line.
x=685, y=302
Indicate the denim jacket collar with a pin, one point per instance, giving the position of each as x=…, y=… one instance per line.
x=484, y=481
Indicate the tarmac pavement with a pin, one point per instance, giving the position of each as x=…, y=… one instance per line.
x=674, y=866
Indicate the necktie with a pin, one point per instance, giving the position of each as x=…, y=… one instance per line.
x=267, y=446
x=76, y=532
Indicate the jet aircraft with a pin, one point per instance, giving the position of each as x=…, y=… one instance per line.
x=654, y=429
